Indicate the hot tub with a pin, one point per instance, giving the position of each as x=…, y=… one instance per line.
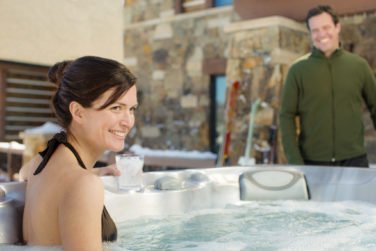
x=220, y=194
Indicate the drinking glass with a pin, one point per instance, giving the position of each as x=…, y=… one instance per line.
x=130, y=166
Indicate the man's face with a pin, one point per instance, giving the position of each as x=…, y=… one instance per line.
x=324, y=33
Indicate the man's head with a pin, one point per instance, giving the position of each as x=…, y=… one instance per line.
x=324, y=27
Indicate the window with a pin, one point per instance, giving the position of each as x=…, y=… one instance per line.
x=183, y=6
x=24, y=99
x=217, y=111
x=218, y=3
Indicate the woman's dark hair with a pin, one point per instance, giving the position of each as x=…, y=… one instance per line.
x=84, y=80
x=319, y=10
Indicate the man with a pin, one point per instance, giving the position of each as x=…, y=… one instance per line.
x=325, y=89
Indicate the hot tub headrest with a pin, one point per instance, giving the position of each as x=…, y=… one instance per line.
x=273, y=184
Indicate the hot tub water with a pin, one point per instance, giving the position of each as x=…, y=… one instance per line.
x=279, y=225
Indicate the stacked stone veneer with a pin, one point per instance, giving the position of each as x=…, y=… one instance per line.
x=167, y=51
x=167, y=56
x=136, y=11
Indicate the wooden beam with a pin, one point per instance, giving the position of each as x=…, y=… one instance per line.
x=297, y=10
x=214, y=66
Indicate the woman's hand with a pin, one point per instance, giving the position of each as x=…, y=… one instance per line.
x=110, y=170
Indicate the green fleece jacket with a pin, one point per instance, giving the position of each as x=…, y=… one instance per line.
x=326, y=94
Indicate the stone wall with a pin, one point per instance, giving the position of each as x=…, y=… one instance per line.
x=167, y=56
x=136, y=11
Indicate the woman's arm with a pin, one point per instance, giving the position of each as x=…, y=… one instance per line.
x=80, y=212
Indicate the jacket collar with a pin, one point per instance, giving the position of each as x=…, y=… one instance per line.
x=319, y=54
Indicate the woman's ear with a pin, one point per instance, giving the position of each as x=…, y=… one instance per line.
x=77, y=111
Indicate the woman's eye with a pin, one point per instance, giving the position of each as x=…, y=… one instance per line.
x=133, y=109
x=116, y=108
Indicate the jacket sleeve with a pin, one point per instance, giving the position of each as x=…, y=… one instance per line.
x=288, y=113
x=369, y=91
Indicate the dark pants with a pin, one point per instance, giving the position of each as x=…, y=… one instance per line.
x=359, y=161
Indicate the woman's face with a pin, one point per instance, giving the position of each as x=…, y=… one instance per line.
x=109, y=127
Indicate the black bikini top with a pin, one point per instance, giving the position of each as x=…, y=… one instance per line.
x=109, y=231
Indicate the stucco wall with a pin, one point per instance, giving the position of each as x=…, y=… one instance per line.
x=46, y=31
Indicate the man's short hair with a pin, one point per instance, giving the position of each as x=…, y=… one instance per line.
x=319, y=10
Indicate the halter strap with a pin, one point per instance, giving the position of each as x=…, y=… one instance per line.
x=59, y=138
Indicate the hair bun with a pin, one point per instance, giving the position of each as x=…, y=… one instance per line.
x=56, y=72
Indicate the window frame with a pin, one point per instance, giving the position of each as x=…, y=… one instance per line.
x=179, y=5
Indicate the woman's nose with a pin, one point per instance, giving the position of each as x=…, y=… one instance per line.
x=127, y=119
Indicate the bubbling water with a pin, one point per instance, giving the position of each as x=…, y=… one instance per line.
x=278, y=225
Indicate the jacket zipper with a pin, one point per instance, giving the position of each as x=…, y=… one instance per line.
x=333, y=113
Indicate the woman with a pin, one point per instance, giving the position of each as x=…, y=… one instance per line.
x=95, y=103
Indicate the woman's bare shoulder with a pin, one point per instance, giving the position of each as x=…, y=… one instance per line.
x=28, y=169
x=86, y=180
x=80, y=212
x=84, y=185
